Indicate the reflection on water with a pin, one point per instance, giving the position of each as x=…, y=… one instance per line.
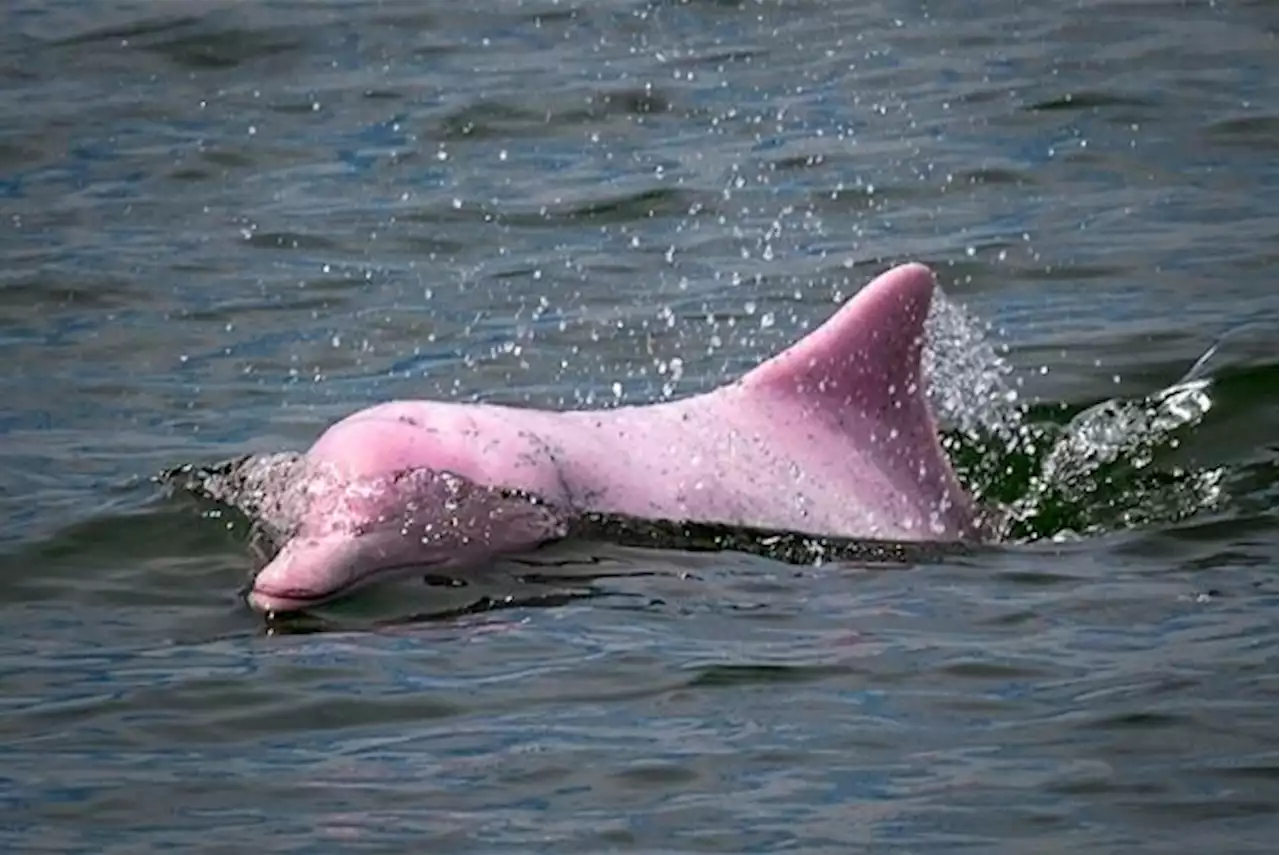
x=227, y=225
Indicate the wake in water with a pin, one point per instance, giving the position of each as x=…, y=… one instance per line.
x=1042, y=479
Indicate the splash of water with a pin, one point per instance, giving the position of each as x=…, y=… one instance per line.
x=1100, y=474
x=967, y=379
x=1043, y=480
x=269, y=489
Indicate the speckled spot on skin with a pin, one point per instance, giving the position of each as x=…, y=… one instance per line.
x=549, y=451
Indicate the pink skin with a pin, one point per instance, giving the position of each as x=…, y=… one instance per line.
x=833, y=436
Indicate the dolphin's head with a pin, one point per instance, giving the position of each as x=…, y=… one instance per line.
x=356, y=532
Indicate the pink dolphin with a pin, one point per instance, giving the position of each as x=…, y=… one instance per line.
x=833, y=436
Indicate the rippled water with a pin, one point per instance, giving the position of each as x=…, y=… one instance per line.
x=227, y=224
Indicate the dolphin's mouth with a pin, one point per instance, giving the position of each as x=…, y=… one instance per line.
x=280, y=600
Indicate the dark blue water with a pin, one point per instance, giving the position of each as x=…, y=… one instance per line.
x=224, y=225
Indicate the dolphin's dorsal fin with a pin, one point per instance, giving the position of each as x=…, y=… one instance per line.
x=864, y=359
